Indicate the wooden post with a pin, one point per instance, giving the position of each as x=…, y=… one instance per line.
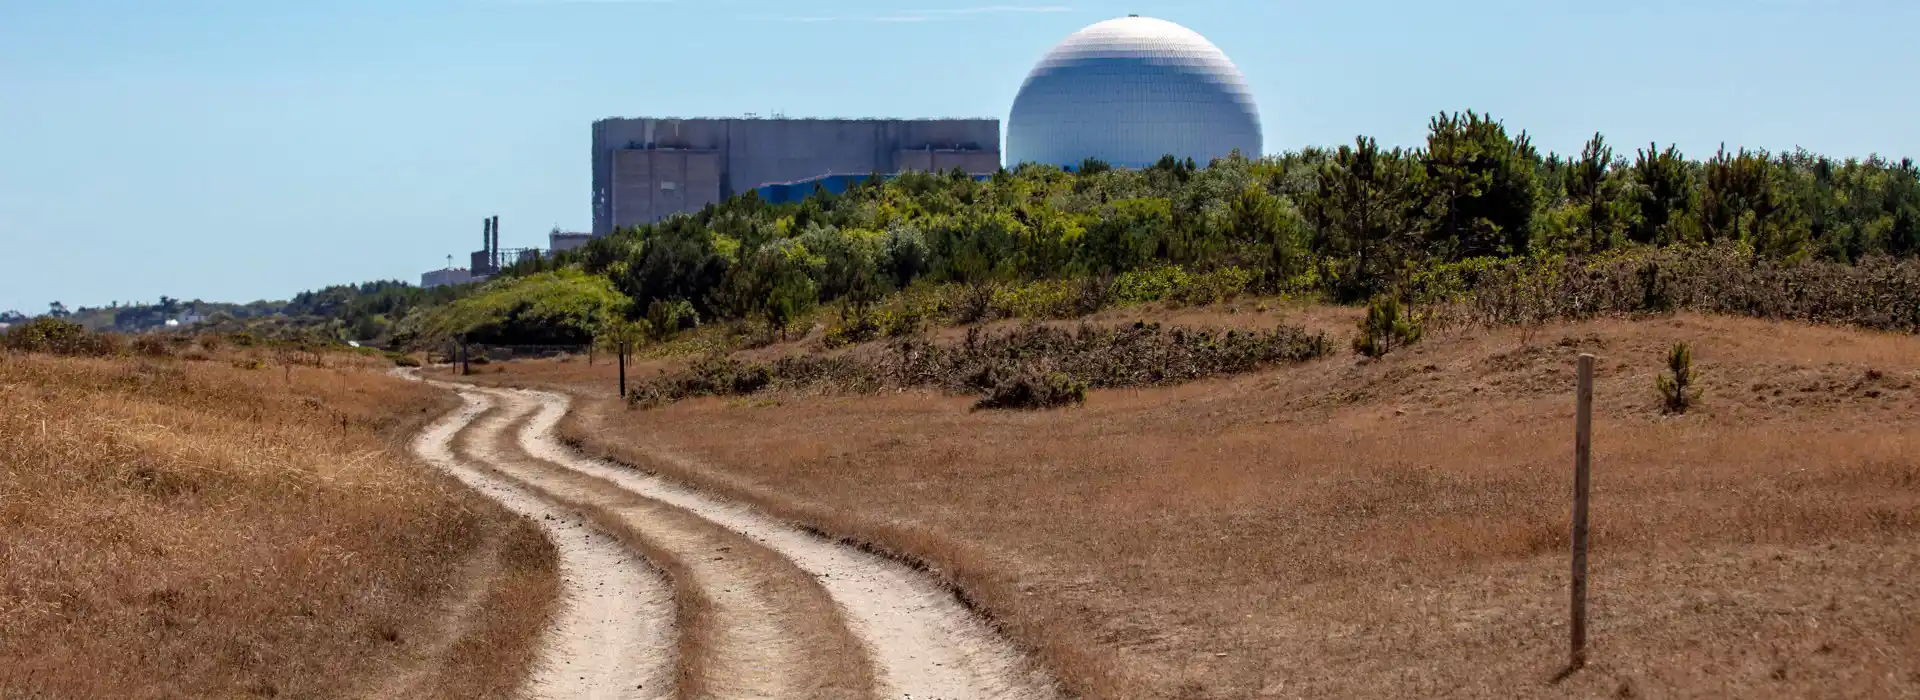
x=623, y=368
x=1582, y=465
x=465, y=369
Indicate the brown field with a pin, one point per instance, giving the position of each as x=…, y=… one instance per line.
x=1386, y=529
x=177, y=528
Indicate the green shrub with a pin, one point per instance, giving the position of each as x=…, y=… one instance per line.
x=400, y=360
x=665, y=319
x=1387, y=326
x=60, y=337
x=858, y=324
x=1677, y=385
x=1145, y=286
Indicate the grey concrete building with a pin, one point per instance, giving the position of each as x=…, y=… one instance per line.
x=645, y=170
x=565, y=240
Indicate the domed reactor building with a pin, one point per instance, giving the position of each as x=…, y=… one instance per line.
x=1130, y=91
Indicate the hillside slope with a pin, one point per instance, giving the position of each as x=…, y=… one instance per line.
x=1391, y=528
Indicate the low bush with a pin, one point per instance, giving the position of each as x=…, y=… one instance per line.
x=59, y=337
x=1027, y=388
x=985, y=363
x=400, y=360
x=1388, y=325
x=1880, y=293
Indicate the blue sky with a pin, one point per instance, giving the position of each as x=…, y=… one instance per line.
x=244, y=149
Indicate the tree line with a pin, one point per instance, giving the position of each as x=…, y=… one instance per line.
x=1348, y=222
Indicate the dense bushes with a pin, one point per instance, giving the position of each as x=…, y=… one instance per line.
x=1033, y=363
x=565, y=307
x=58, y=337
x=1879, y=292
x=1349, y=223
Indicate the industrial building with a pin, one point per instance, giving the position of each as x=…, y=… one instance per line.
x=485, y=263
x=445, y=277
x=645, y=170
x=561, y=240
x=1129, y=92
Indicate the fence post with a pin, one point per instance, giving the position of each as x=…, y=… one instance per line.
x=1582, y=466
x=623, y=368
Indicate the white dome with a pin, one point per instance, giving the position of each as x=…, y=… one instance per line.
x=1129, y=91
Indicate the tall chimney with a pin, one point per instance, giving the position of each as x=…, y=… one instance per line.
x=486, y=233
x=496, y=241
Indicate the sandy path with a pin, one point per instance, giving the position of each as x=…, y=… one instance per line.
x=613, y=635
x=760, y=628
x=922, y=642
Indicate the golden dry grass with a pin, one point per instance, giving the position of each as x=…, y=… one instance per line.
x=1385, y=529
x=199, y=529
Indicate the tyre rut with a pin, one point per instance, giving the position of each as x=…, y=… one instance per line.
x=612, y=636
x=923, y=643
x=751, y=624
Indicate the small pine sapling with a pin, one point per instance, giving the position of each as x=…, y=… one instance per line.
x=1677, y=386
x=1387, y=326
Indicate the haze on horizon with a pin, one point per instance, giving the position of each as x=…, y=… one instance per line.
x=229, y=151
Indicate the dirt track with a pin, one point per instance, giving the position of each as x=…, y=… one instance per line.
x=613, y=634
x=759, y=608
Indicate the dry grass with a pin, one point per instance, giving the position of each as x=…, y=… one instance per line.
x=199, y=529
x=1386, y=529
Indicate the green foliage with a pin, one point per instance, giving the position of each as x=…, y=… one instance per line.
x=665, y=319
x=1676, y=385
x=1479, y=187
x=1387, y=326
x=1345, y=223
x=549, y=308
x=56, y=336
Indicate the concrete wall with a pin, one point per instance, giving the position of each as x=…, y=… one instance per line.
x=753, y=152
x=557, y=242
x=972, y=162
x=442, y=278
x=650, y=185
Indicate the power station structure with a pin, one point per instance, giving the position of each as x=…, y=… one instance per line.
x=485, y=263
x=646, y=169
x=1130, y=91
x=1127, y=91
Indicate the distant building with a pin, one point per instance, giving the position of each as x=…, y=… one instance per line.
x=786, y=192
x=1130, y=91
x=447, y=277
x=559, y=241
x=645, y=170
